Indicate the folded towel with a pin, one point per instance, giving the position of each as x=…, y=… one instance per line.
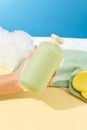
x=74, y=62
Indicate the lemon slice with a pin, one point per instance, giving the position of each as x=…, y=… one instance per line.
x=80, y=82
x=84, y=94
x=4, y=70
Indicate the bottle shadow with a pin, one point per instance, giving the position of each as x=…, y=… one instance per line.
x=55, y=98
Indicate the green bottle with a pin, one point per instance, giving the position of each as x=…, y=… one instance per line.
x=40, y=68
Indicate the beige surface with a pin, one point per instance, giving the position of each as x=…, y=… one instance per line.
x=52, y=110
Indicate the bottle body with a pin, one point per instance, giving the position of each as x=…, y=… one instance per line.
x=40, y=68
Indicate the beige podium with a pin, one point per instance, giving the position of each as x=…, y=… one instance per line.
x=55, y=109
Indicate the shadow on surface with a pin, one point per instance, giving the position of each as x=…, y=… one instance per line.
x=55, y=98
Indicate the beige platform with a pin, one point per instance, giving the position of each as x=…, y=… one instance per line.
x=55, y=109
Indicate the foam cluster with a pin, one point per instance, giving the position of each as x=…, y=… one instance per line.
x=13, y=47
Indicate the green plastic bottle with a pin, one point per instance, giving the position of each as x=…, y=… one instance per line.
x=40, y=68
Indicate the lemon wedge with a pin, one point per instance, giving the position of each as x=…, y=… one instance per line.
x=84, y=94
x=80, y=82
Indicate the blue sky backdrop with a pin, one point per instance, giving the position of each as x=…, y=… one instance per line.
x=67, y=18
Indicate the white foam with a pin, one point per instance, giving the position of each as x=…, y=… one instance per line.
x=14, y=46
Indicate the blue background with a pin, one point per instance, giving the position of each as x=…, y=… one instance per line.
x=67, y=18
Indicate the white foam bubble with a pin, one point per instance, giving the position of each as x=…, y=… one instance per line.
x=14, y=46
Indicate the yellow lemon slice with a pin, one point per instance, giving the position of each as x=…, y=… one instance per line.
x=80, y=82
x=84, y=94
x=4, y=70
